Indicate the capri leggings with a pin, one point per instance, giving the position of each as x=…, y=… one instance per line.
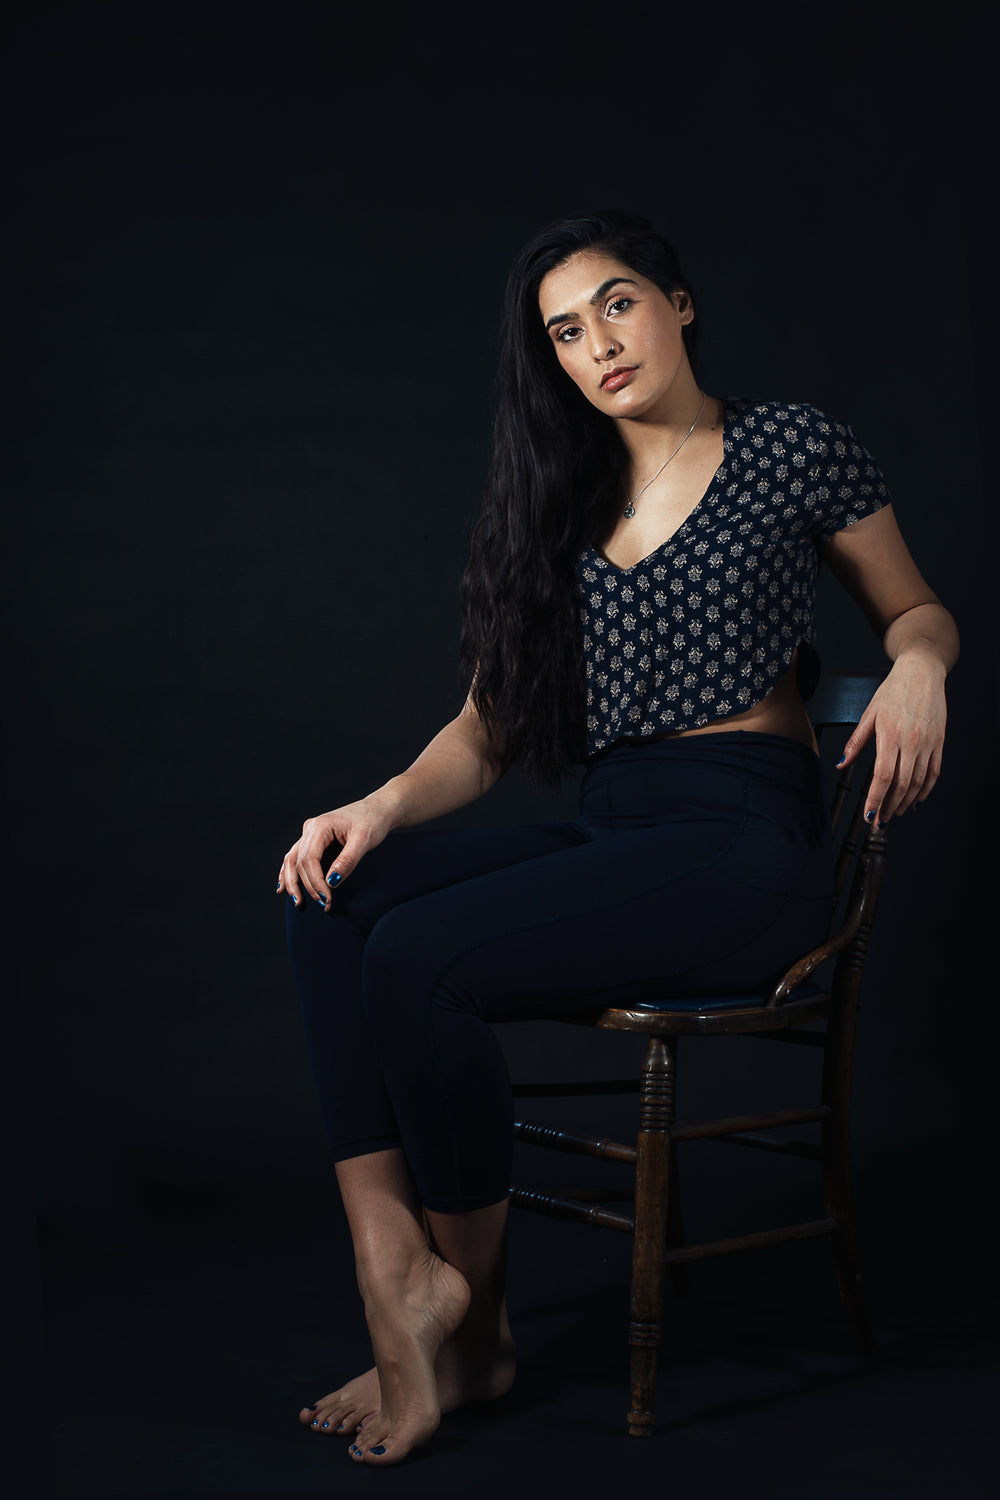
x=700, y=865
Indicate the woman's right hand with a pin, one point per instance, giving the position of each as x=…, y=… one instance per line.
x=357, y=827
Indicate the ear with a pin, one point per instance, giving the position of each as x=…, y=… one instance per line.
x=685, y=307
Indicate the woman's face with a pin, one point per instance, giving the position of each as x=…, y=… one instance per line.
x=617, y=336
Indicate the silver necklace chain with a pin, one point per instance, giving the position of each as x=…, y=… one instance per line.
x=629, y=510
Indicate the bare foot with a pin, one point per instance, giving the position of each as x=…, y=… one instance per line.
x=477, y=1363
x=409, y=1317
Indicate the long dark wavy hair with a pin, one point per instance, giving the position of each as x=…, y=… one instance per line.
x=554, y=475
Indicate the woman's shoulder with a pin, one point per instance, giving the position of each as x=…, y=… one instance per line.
x=814, y=454
x=794, y=422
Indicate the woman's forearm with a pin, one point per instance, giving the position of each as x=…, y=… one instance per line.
x=457, y=766
x=926, y=628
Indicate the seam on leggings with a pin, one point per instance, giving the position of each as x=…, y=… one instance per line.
x=530, y=926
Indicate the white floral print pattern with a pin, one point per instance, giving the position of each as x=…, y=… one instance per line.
x=791, y=476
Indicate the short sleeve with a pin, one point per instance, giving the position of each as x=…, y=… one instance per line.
x=844, y=483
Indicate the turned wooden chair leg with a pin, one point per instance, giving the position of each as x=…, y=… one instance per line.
x=838, y=1186
x=652, y=1194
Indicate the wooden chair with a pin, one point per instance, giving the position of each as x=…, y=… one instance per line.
x=780, y=1015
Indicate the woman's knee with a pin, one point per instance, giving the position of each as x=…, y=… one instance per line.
x=404, y=954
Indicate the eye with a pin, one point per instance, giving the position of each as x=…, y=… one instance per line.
x=561, y=336
x=620, y=303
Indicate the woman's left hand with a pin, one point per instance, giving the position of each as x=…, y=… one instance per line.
x=907, y=717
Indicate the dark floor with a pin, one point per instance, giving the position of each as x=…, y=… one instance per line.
x=178, y=1355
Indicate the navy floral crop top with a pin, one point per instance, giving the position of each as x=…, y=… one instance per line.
x=703, y=627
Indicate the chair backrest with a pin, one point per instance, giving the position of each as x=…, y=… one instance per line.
x=841, y=698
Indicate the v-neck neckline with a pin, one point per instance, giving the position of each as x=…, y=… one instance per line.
x=713, y=483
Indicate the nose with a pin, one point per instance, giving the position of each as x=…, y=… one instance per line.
x=603, y=345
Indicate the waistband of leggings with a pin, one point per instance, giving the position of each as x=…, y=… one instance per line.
x=721, y=745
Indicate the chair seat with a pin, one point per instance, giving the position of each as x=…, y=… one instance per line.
x=707, y=1015
x=748, y=1001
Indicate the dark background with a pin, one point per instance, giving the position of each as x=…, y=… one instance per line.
x=257, y=258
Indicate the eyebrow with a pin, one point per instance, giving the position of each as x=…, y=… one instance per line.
x=604, y=287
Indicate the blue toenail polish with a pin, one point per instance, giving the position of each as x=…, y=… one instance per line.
x=326, y=1424
x=380, y=1449
x=315, y=1422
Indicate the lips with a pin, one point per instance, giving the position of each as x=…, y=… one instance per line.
x=616, y=378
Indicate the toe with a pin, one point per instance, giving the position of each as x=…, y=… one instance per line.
x=372, y=1436
x=334, y=1418
x=325, y=1416
x=349, y=1417
x=380, y=1454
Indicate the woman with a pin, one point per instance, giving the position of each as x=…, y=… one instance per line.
x=638, y=601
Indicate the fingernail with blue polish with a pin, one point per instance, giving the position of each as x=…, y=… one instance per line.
x=869, y=817
x=880, y=825
x=842, y=759
x=333, y=877
x=322, y=900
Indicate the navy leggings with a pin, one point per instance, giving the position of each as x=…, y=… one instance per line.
x=700, y=865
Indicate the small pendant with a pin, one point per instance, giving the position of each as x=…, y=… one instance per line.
x=629, y=511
